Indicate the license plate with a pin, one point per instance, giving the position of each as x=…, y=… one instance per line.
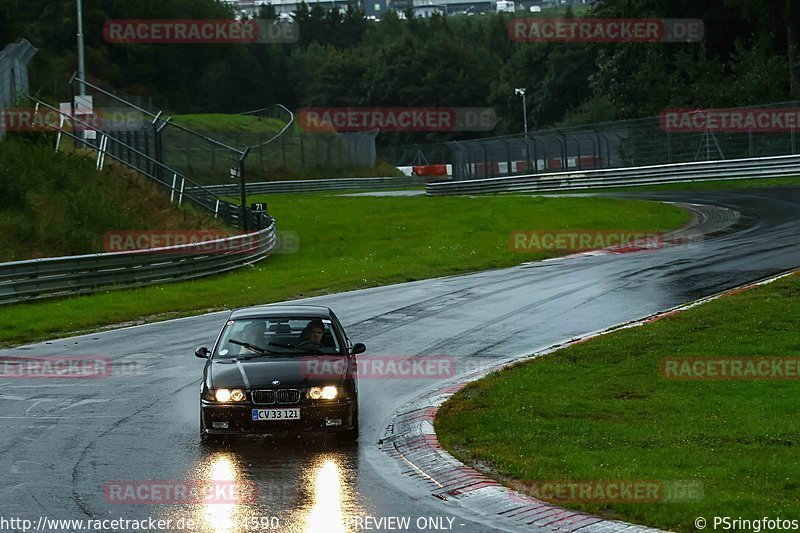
x=276, y=414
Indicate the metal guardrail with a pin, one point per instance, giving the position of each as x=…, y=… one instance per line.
x=175, y=183
x=82, y=274
x=278, y=111
x=160, y=167
x=764, y=167
x=338, y=184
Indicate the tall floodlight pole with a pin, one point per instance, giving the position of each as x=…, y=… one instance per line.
x=81, y=67
x=524, y=107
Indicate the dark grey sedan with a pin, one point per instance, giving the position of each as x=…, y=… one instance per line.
x=280, y=368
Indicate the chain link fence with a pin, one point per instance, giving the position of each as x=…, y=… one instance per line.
x=294, y=151
x=14, y=60
x=134, y=136
x=620, y=144
x=152, y=140
x=213, y=157
x=415, y=154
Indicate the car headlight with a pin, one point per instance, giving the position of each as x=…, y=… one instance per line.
x=328, y=392
x=229, y=395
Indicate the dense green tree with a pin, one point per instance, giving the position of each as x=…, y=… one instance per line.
x=748, y=56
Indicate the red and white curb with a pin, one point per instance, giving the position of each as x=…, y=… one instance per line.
x=683, y=236
x=410, y=438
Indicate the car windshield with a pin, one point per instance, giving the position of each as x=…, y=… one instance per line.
x=264, y=337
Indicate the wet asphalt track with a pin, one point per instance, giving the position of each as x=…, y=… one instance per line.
x=62, y=441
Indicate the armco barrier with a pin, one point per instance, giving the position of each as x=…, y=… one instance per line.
x=766, y=167
x=339, y=184
x=64, y=276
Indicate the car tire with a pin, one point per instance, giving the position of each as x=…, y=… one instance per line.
x=206, y=438
x=349, y=435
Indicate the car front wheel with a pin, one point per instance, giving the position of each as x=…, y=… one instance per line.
x=350, y=435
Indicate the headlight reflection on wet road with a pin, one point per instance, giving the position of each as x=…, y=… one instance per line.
x=217, y=515
x=327, y=514
x=278, y=488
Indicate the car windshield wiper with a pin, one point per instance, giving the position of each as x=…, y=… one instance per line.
x=252, y=348
x=297, y=348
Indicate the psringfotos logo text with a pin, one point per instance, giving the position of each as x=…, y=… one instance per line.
x=55, y=367
x=208, y=31
x=757, y=368
x=605, y=30
x=343, y=119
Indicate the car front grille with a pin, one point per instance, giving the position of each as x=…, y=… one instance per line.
x=287, y=395
x=263, y=397
x=284, y=396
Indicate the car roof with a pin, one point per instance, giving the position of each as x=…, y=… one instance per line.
x=282, y=311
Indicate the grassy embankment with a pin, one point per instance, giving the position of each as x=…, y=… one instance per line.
x=600, y=410
x=58, y=204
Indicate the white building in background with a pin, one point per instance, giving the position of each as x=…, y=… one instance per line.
x=371, y=8
x=422, y=8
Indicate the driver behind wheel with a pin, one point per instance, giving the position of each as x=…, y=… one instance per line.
x=311, y=336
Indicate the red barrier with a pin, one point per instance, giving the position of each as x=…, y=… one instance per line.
x=430, y=170
x=494, y=169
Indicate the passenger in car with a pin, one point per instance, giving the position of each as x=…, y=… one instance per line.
x=253, y=334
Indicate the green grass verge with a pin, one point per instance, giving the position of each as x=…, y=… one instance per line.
x=225, y=123
x=349, y=243
x=600, y=411
x=381, y=169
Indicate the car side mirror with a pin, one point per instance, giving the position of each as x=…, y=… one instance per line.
x=202, y=352
x=358, y=348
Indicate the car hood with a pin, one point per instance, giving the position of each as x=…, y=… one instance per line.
x=290, y=372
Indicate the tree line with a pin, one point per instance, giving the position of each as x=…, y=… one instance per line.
x=748, y=56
